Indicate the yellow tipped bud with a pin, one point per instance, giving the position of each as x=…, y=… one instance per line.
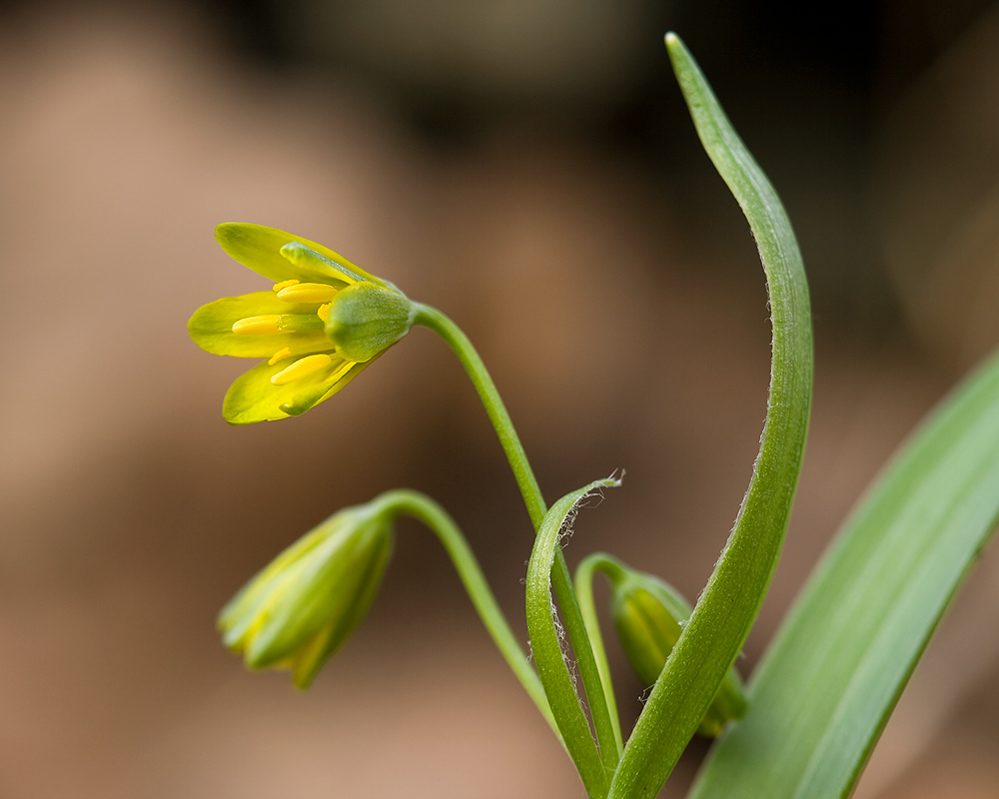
x=308, y=292
x=303, y=367
x=284, y=284
x=258, y=325
x=280, y=355
x=301, y=608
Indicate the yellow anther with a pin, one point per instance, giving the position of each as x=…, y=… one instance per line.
x=258, y=325
x=301, y=368
x=284, y=284
x=280, y=355
x=308, y=292
x=324, y=310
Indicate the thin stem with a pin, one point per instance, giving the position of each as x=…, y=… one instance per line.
x=610, y=566
x=462, y=347
x=536, y=508
x=419, y=506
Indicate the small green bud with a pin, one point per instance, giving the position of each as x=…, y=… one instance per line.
x=649, y=616
x=301, y=608
x=366, y=319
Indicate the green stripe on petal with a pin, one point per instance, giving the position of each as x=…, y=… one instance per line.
x=211, y=327
x=253, y=398
x=258, y=247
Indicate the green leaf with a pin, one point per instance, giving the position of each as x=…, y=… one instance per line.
x=546, y=642
x=730, y=602
x=827, y=685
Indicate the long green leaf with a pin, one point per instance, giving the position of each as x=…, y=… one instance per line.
x=718, y=627
x=827, y=685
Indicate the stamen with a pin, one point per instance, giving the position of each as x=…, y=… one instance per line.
x=258, y=325
x=324, y=311
x=301, y=368
x=284, y=284
x=280, y=355
x=308, y=292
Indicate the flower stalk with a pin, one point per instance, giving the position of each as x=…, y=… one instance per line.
x=604, y=718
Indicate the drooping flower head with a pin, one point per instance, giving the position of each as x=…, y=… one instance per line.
x=323, y=321
x=298, y=611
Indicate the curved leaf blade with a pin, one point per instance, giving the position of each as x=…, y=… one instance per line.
x=730, y=602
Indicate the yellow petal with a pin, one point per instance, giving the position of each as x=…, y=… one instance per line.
x=253, y=398
x=211, y=327
x=258, y=247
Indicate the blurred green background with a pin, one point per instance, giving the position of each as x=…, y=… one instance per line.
x=527, y=166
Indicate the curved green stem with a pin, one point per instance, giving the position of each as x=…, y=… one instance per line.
x=419, y=506
x=462, y=347
x=536, y=508
x=588, y=566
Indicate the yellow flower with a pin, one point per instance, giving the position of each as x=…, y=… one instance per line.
x=323, y=321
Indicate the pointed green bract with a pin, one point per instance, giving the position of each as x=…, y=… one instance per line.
x=546, y=644
x=731, y=600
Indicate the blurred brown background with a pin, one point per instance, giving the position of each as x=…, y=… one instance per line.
x=528, y=166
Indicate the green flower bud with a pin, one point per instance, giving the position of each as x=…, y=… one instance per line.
x=301, y=608
x=366, y=319
x=649, y=616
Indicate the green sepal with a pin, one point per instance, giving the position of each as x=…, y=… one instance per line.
x=365, y=320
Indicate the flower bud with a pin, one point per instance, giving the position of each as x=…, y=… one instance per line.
x=366, y=319
x=649, y=616
x=301, y=608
